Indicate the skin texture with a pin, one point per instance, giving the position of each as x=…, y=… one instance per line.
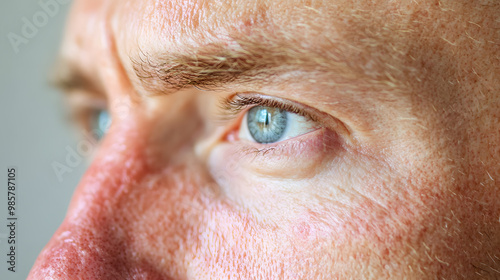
x=400, y=183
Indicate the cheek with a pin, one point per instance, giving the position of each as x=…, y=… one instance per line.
x=303, y=231
x=267, y=184
x=179, y=222
x=164, y=213
x=235, y=244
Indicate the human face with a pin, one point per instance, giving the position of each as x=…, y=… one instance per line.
x=386, y=164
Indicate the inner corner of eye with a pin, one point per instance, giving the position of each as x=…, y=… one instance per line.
x=232, y=134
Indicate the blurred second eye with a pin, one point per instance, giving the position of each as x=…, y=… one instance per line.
x=100, y=123
x=265, y=125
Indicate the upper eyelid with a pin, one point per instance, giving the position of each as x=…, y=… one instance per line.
x=82, y=100
x=237, y=103
x=82, y=105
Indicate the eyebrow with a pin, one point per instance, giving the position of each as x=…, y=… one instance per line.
x=216, y=65
x=258, y=58
x=68, y=77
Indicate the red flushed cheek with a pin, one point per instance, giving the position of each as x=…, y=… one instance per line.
x=311, y=226
x=363, y=220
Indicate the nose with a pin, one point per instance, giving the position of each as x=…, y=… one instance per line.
x=127, y=218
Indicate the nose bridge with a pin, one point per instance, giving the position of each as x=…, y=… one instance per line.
x=126, y=196
x=176, y=125
x=91, y=242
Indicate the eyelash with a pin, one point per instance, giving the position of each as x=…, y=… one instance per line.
x=233, y=106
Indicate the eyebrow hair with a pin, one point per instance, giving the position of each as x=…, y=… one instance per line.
x=352, y=57
x=68, y=77
x=215, y=65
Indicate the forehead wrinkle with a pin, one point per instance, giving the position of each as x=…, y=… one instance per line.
x=195, y=23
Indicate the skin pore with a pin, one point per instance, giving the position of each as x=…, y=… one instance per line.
x=397, y=180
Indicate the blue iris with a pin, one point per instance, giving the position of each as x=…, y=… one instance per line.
x=101, y=124
x=266, y=124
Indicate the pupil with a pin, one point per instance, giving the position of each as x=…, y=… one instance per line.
x=264, y=117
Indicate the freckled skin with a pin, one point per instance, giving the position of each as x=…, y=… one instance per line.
x=411, y=193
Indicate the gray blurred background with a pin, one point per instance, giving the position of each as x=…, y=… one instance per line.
x=34, y=131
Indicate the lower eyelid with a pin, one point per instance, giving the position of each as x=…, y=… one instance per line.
x=282, y=147
x=293, y=158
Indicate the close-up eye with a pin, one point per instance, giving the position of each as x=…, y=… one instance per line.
x=265, y=125
x=95, y=121
x=90, y=114
x=267, y=120
x=100, y=121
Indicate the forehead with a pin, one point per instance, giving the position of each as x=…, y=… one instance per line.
x=172, y=25
x=100, y=29
x=176, y=23
x=372, y=37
